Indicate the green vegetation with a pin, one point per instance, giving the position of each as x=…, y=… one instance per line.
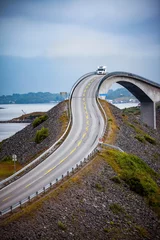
x=142, y=136
x=40, y=97
x=39, y=120
x=150, y=139
x=99, y=187
x=132, y=110
x=41, y=134
x=116, y=208
x=142, y=231
x=7, y=167
x=116, y=179
x=136, y=173
x=7, y=159
x=62, y=225
x=110, y=120
x=119, y=93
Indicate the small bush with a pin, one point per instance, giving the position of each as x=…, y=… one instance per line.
x=39, y=120
x=140, y=138
x=116, y=179
x=7, y=159
x=41, y=135
x=61, y=225
x=116, y=208
x=150, y=139
x=110, y=120
x=99, y=187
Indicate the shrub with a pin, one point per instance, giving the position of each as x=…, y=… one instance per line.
x=41, y=134
x=116, y=179
x=39, y=120
x=61, y=225
x=99, y=187
x=116, y=208
x=7, y=159
x=150, y=139
x=140, y=138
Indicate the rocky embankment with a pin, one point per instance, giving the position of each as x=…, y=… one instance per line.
x=91, y=205
x=23, y=144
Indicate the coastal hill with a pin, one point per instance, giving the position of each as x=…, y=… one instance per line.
x=108, y=198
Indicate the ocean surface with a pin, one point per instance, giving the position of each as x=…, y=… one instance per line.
x=10, y=111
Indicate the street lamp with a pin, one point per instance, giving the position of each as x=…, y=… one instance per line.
x=14, y=159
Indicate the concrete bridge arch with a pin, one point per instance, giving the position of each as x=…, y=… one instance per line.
x=146, y=91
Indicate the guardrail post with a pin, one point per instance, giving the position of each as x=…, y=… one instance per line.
x=68, y=173
x=36, y=193
x=29, y=198
x=56, y=180
x=62, y=176
x=72, y=169
x=77, y=166
x=44, y=189
x=11, y=209
x=81, y=163
x=50, y=184
x=20, y=203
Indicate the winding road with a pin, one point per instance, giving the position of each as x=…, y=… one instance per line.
x=87, y=128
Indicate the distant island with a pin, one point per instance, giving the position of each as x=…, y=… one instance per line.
x=120, y=95
x=39, y=97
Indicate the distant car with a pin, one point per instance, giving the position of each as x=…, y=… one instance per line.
x=101, y=70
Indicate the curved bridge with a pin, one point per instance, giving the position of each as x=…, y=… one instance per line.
x=147, y=92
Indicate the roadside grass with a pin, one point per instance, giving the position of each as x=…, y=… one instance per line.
x=7, y=167
x=112, y=127
x=137, y=175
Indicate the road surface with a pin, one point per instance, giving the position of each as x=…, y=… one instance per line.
x=87, y=128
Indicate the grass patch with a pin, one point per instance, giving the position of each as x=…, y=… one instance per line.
x=136, y=173
x=142, y=231
x=41, y=134
x=39, y=120
x=116, y=208
x=99, y=187
x=116, y=179
x=62, y=225
x=112, y=127
x=140, y=138
x=7, y=167
x=132, y=110
x=150, y=139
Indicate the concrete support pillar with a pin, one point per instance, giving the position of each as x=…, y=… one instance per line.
x=148, y=113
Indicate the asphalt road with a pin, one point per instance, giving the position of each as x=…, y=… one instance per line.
x=83, y=137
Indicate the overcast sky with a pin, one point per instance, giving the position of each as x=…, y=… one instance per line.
x=47, y=45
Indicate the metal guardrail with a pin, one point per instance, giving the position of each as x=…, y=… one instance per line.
x=50, y=185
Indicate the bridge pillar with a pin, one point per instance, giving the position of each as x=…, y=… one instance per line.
x=148, y=113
